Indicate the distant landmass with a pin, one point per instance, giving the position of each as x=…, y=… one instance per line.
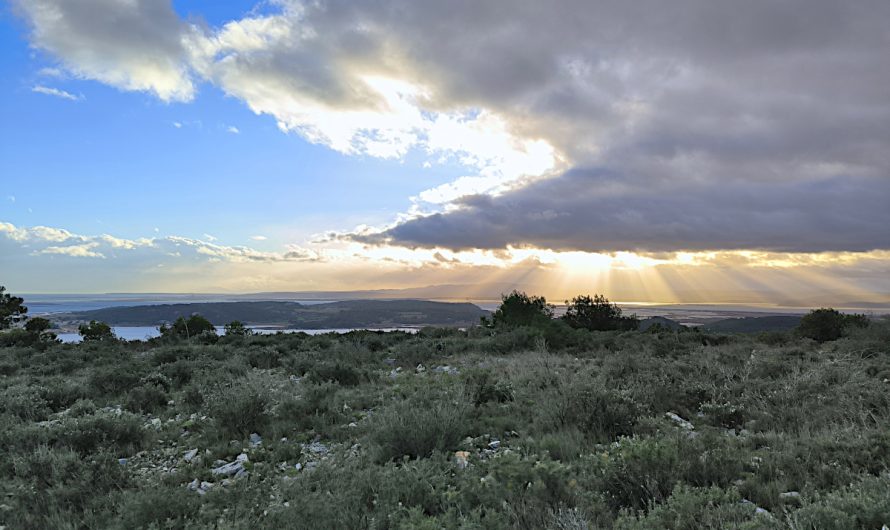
x=662, y=323
x=754, y=324
x=333, y=315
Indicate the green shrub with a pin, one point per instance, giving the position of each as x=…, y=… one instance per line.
x=121, y=434
x=635, y=472
x=264, y=358
x=483, y=387
x=723, y=414
x=823, y=325
x=416, y=430
x=146, y=398
x=113, y=380
x=62, y=485
x=337, y=372
x=565, y=445
x=603, y=414
x=238, y=408
x=864, y=504
x=694, y=508
x=158, y=507
x=25, y=402
x=95, y=331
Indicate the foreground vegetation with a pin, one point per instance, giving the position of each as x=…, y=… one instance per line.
x=533, y=425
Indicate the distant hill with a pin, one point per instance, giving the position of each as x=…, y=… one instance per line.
x=665, y=323
x=347, y=314
x=754, y=324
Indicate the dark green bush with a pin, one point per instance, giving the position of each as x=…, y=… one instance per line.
x=483, y=387
x=635, y=472
x=864, y=504
x=25, y=402
x=415, y=430
x=238, y=408
x=693, y=508
x=264, y=358
x=121, y=434
x=823, y=325
x=337, y=372
x=146, y=398
x=113, y=380
x=601, y=413
x=63, y=486
x=158, y=507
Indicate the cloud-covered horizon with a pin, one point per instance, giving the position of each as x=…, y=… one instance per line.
x=583, y=126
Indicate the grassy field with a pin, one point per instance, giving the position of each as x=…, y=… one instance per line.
x=519, y=428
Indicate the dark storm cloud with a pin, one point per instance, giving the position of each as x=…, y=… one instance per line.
x=592, y=211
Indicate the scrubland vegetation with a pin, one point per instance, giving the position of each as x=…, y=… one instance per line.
x=524, y=423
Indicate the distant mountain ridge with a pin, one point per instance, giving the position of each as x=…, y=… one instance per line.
x=345, y=314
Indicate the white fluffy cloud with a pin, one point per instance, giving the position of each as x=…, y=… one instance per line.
x=47, y=240
x=130, y=44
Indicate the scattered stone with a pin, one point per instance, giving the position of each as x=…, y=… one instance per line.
x=200, y=487
x=190, y=455
x=122, y=461
x=494, y=444
x=255, y=440
x=316, y=448
x=757, y=509
x=679, y=421
x=156, y=423
x=462, y=459
x=235, y=468
x=389, y=362
x=352, y=424
x=450, y=370
x=420, y=369
x=298, y=466
x=393, y=374
x=790, y=495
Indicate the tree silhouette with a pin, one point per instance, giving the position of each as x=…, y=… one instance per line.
x=597, y=314
x=11, y=309
x=519, y=309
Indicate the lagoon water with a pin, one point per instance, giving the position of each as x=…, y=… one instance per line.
x=148, y=332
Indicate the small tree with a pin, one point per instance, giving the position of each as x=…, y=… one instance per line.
x=95, y=331
x=597, y=314
x=193, y=326
x=237, y=328
x=38, y=327
x=822, y=325
x=11, y=308
x=519, y=309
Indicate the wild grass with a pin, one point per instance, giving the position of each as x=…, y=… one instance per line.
x=544, y=427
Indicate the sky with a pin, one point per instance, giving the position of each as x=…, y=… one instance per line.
x=702, y=151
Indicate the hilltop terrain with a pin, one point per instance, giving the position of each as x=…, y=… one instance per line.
x=529, y=428
x=331, y=315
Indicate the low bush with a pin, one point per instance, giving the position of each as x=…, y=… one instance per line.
x=146, y=398
x=601, y=413
x=416, y=430
x=337, y=372
x=238, y=408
